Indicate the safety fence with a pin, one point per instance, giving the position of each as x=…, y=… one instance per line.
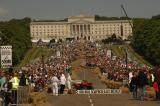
x=21, y=96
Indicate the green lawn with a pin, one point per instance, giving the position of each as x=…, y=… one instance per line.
x=34, y=53
x=119, y=50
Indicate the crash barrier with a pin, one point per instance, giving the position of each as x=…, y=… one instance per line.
x=100, y=91
x=21, y=96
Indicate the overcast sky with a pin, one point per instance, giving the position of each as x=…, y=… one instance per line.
x=60, y=9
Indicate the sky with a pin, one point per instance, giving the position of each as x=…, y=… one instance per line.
x=60, y=9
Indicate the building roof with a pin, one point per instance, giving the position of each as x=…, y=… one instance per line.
x=81, y=16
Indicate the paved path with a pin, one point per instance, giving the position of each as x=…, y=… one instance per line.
x=95, y=100
x=87, y=74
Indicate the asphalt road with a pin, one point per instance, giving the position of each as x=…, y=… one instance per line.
x=95, y=100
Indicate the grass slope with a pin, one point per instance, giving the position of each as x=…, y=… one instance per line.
x=119, y=50
x=34, y=53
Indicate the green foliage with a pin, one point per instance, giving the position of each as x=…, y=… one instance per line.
x=52, y=41
x=34, y=53
x=104, y=18
x=16, y=33
x=113, y=39
x=156, y=17
x=146, y=39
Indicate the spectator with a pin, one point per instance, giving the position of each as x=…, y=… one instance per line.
x=133, y=85
x=7, y=95
x=69, y=80
x=156, y=88
x=23, y=80
x=142, y=82
x=157, y=79
x=55, y=82
x=130, y=76
x=2, y=79
x=15, y=84
x=62, y=83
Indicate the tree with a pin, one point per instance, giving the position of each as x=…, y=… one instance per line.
x=156, y=17
x=146, y=39
x=16, y=33
x=52, y=41
x=113, y=39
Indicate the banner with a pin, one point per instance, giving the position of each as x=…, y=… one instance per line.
x=6, y=56
x=58, y=54
x=100, y=91
x=109, y=53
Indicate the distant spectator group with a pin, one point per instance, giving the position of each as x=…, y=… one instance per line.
x=140, y=78
x=56, y=71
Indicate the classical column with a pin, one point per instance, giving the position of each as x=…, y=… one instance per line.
x=79, y=33
x=71, y=29
x=86, y=29
x=77, y=30
x=82, y=28
x=74, y=29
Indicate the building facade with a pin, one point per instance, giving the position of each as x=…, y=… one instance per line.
x=79, y=27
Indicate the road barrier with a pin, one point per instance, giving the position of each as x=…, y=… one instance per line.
x=22, y=95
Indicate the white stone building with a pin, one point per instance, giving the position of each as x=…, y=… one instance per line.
x=79, y=27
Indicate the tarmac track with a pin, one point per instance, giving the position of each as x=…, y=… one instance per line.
x=95, y=100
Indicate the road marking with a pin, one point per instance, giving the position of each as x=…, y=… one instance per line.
x=90, y=100
x=89, y=96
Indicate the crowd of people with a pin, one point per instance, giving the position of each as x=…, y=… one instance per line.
x=56, y=70
x=142, y=80
x=139, y=78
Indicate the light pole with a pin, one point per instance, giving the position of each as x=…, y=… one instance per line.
x=110, y=44
x=126, y=58
x=43, y=63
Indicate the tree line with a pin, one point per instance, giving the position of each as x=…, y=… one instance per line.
x=146, y=38
x=16, y=33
